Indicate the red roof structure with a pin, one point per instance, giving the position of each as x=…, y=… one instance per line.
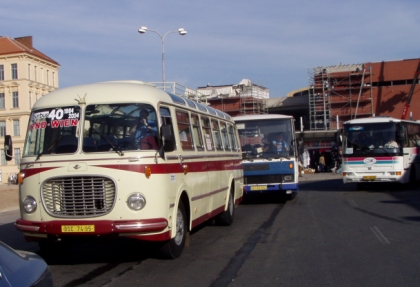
x=21, y=45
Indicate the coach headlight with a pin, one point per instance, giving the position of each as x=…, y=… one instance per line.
x=29, y=204
x=288, y=178
x=136, y=201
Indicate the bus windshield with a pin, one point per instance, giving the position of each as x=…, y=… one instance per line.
x=52, y=130
x=266, y=138
x=377, y=138
x=107, y=127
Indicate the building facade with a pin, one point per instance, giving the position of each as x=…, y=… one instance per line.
x=344, y=92
x=239, y=99
x=26, y=75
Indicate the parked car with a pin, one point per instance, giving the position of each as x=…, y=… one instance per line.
x=22, y=268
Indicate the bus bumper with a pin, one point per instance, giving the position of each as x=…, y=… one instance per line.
x=43, y=229
x=285, y=188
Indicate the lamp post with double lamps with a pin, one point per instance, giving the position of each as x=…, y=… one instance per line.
x=181, y=32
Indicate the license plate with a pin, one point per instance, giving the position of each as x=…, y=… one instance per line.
x=77, y=228
x=369, y=178
x=259, y=187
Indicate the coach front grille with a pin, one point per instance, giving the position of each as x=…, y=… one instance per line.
x=78, y=196
x=261, y=179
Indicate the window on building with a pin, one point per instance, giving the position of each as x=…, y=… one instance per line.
x=16, y=128
x=16, y=155
x=2, y=128
x=2, y=103
x=15, y=96
x=35, y=74
x=29, y=71
x=14, y=72
x=3, y=158
x=53, y=78
x=48, y=77
x=1, y=73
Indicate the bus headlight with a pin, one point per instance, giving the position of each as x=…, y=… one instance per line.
x=136, y=201
x=29, y=204
x=287, y=178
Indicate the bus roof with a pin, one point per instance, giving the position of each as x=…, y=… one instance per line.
x=377, y=120
x=260, y=117
x=121, y=92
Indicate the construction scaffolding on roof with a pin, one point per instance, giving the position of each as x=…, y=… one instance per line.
x=339, y=93
x=240, y=99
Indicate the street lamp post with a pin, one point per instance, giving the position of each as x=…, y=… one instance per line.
x=181, y=32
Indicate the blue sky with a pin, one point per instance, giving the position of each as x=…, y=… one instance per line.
x=271, y=42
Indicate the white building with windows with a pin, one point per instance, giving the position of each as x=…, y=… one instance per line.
x=26, y=74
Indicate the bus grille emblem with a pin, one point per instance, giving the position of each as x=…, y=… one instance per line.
x=369, y=160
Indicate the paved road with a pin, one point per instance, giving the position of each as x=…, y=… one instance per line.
x=330, y=235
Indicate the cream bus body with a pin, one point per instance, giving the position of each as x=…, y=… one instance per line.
x=101, y=183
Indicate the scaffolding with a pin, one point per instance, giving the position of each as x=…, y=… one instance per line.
x=245, y=98
x=339, y=93
x=252, y=99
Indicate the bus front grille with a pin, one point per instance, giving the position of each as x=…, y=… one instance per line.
x=78, y=196
x=261, y=179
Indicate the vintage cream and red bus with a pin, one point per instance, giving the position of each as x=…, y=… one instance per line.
x=126, y=158
x=380, y=149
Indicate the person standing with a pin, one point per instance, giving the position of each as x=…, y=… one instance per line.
x=321, y=163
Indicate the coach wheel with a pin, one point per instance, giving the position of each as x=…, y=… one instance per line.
x=226, y=217
x=174, y=247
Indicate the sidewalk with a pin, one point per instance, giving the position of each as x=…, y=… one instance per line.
x=9, y=197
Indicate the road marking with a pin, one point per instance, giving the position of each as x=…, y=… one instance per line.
x=379, y=235
x=352, y=203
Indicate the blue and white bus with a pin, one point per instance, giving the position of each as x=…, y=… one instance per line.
x=269, y=154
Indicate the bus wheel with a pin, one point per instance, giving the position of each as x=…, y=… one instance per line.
x=173, y=248
x=226, y=217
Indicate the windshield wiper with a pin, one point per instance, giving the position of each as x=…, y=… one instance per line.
x=115, y=148
x=52, y=145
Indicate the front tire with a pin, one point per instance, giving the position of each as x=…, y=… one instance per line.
x=173, y=248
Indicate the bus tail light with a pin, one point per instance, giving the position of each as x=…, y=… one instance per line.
x=398, y=173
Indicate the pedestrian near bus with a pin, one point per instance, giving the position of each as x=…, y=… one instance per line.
x=321, y=163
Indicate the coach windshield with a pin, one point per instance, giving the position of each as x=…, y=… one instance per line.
x=52, y=131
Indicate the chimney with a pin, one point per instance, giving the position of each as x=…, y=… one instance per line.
x=27, y=41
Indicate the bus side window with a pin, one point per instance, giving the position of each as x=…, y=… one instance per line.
x=232, y=136
x=216, y=134
x=167, y=130
x=184, y=130
x=198, y=139
x=207, y=133
x=225, y=136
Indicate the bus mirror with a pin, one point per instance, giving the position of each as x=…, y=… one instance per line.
x=8, y=147
x=301, y=147
x=168, y=138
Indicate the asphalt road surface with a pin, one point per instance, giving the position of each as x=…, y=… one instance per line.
x=329, y=235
